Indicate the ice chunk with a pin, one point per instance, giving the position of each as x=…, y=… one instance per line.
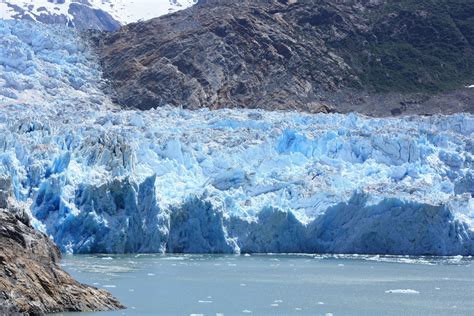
x=403, y=291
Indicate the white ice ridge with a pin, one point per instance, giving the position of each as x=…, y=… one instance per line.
x=402, y=291
x=109, y=181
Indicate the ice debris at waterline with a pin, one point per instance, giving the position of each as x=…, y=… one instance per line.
x=172, y=180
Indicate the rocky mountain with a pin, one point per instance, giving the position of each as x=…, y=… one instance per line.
x=377, y=57
x=105, y=15
x=31, y=280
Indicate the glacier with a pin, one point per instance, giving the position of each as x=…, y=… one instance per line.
x=100, y=179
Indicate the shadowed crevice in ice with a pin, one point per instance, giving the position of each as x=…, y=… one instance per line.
x=196, y=227
x=273, y=230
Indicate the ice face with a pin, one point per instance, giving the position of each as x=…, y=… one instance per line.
x=103, y=180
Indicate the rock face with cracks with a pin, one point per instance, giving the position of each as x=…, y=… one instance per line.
x=376, y=57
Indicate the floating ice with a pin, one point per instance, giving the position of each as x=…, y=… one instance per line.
x=229, y=181
x=403, y=291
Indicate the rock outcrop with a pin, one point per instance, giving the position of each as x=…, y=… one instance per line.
x=31, y=280
x=372, y=56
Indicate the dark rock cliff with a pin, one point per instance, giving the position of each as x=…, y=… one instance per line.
x=377, y=57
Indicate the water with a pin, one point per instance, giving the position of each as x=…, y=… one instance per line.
x=280, y=284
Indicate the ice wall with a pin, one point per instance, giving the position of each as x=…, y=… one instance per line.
x=103, y=180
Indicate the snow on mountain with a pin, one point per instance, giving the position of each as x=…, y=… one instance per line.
x=135, y=10
x=103, y=180
x=89, y=14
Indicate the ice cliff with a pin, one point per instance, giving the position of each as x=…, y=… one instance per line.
x=103, y=180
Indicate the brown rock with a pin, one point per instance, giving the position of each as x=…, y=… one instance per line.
x=295, y=54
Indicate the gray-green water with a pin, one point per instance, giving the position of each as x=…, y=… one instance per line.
x=280, y=284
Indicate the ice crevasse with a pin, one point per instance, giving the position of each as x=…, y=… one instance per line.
x=99, y=179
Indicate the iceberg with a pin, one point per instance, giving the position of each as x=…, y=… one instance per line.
x=105, y=180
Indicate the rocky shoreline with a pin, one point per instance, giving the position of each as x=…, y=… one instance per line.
x=31, y=279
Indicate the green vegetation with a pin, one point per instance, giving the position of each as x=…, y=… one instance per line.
x=416, y=46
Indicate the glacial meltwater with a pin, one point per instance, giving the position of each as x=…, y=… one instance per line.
x=280, y=284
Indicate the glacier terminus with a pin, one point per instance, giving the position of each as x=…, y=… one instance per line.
x=226, y=181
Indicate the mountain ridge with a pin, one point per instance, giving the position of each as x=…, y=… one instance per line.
x=373, y=56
